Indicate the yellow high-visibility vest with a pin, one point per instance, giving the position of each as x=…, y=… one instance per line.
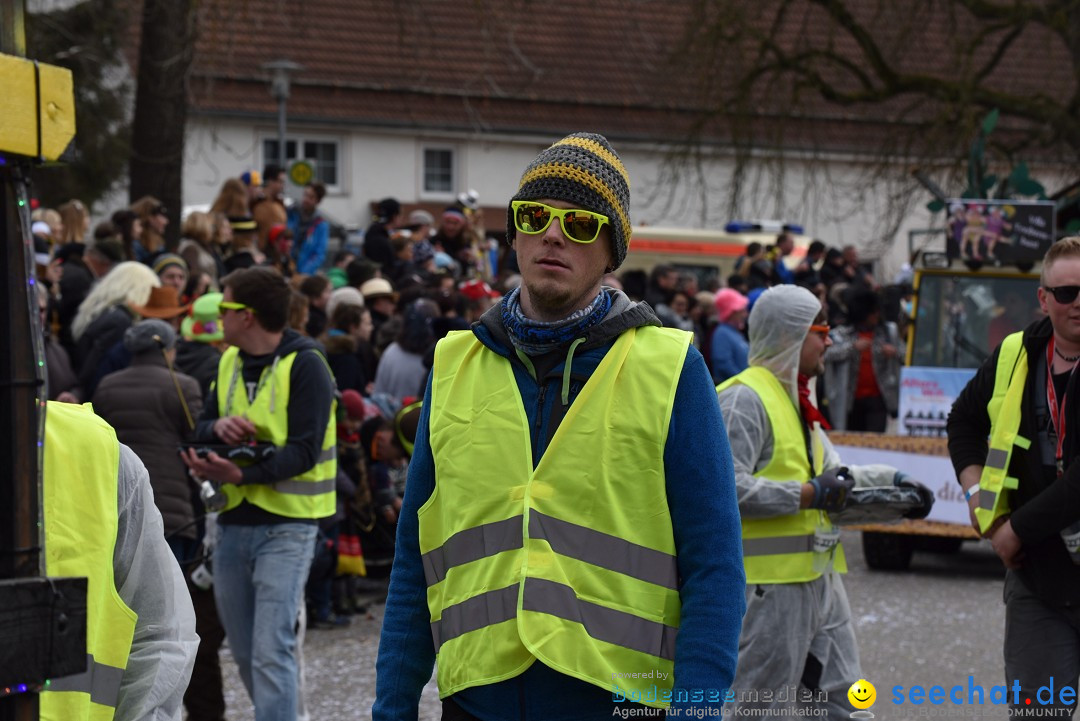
x=80, y=470
x=1004, y=410
x=308, y=495
x=573, y=562
x=782, y=549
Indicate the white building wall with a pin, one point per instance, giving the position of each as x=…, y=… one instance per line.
x=834, y=199
x=213, y=153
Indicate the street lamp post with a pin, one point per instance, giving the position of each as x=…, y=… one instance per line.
x=279, y=90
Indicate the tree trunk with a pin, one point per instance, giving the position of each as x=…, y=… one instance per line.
x=166, y=51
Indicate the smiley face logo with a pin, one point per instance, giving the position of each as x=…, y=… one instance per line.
x=862, y=694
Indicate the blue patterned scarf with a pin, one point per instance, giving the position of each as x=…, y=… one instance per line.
x=534, y=337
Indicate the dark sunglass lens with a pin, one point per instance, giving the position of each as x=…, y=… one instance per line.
x=580, y=226
x=1066, y=293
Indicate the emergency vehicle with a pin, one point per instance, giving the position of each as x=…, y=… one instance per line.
x=709, y=254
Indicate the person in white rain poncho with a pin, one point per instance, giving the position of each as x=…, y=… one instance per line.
x=797, y=631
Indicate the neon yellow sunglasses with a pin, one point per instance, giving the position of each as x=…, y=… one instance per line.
x=580, y=226
x=230, y=305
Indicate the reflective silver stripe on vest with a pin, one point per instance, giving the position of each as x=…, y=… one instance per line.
x=602, y=623
x=471, y=544
x=99, y=680
x=487, y=609
x=777, y=544
x=997, y=459
x=327, y=454
x=987, y=499
x=604, y=550
x=305, y=488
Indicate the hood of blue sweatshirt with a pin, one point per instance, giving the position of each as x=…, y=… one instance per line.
x=623, y=315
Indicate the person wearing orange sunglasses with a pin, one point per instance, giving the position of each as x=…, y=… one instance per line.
x=797, y=629
x=568, y=542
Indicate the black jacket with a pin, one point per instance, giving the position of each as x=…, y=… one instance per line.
x=97, y=340
x=200, y=361
x=1041, y=506
x=75, y=284
x=142, y=404
x=351, y=361
x=311, y=395
x=377, y=245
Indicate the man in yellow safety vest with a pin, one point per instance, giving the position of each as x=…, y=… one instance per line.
x=273, y=387
x=797, y=633
x=101, y=523
x=568, y=545
x=1021, y=487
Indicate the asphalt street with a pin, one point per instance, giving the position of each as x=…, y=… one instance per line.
x=936, y=624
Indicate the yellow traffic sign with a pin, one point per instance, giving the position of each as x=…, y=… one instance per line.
x=39, y=108
x=301, y=172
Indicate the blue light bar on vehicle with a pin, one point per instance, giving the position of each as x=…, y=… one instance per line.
x=762, y=226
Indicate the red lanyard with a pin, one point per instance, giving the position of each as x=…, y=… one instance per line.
x=1056, y=418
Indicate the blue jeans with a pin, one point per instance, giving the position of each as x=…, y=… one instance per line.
x=259, y=575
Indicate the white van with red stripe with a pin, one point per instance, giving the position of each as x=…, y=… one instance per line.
x=707, y=253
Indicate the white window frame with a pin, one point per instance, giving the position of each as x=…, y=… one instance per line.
x=303, y=137
x=455, y=172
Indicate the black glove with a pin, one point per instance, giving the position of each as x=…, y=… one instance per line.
x=832, y=489
x=926, y=496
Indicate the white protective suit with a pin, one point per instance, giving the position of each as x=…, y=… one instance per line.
x=149, y=581
x=796, y=634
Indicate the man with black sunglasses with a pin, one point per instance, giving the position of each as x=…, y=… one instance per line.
x=1023, y=487
x=569, y=544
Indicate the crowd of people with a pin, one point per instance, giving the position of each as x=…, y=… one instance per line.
x=143, y=331
x=604, y=490
x=859, y=390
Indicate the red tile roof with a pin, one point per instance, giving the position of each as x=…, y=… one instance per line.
x=613, y=66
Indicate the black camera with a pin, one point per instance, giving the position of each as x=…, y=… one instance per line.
x=245, y=453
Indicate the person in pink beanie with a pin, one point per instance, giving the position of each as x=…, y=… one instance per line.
x=729, y=348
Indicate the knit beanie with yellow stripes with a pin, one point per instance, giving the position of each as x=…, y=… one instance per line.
x=582, y=169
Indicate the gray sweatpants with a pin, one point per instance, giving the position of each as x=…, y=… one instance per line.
x=797, y=648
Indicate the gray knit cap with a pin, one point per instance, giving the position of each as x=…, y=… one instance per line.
x=582, y=169
x=140, y=338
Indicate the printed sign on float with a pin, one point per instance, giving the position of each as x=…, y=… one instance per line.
x=1002, y=231
x=926, y=397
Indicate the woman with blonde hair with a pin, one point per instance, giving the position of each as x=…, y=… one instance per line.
x=232, y=199
x=222, y=237
x=106, y=314
x=51, y=218
x=197, y=247
x=76, y=219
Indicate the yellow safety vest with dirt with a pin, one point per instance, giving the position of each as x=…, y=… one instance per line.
x=797, y=547
x=571, y=562
x=80, y=469
x=1004, y=410
x=308, y=495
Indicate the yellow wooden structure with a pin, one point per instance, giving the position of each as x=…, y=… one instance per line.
x=39, y=108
